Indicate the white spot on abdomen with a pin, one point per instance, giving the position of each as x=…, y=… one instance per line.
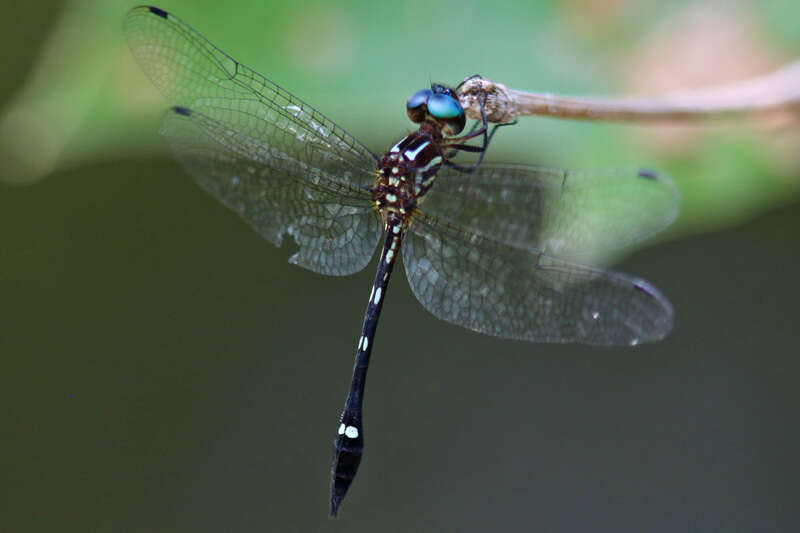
x=351, y=432
x=377, y=296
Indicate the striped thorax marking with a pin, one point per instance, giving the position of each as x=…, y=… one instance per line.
x=433, y=165
x=412, y=153
x=404, y=175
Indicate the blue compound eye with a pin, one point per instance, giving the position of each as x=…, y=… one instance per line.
x=419, y=99
x=444, y=106
x=448, y=110
x=417, y=105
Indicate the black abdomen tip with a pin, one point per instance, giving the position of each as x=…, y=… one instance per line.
x=185, y=111
x=157, y=11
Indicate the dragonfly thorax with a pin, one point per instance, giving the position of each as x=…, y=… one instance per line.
x=406, y=172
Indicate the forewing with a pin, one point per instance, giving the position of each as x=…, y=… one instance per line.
x=573, y=215
x=494, y=288
x=194, y=73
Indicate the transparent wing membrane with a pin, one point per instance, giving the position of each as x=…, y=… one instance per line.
x=332, y=223
x=193, y=73
x=275, y=160
x=493, y=288
x=573, y=215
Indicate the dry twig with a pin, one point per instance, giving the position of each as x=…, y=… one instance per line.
x=776, y=92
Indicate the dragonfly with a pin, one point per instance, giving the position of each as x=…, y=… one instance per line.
x=498, y=249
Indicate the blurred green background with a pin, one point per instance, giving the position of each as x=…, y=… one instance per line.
x=164, y=369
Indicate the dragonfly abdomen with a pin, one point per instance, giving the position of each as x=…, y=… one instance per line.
x=348, y=446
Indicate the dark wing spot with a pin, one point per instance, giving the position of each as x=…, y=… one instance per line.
x=156, y=11
x=649, y=174
x=185, y=111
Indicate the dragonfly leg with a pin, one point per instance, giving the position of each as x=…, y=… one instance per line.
x=481, y=150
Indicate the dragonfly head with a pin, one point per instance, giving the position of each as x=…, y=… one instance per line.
x=439, y=104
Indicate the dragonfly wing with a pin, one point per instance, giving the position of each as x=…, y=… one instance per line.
x=194, y=73
x=573, y=215
x=332, y=223
x=494, y=288
x=275, y=160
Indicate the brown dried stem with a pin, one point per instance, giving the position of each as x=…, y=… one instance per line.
x=773, y=93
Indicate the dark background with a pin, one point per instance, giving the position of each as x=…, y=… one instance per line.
x=162, y=368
